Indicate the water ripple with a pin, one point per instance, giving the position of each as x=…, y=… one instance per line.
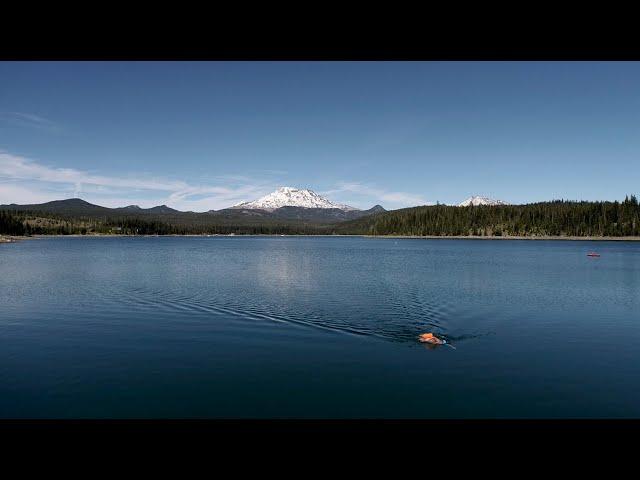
x=394, y=321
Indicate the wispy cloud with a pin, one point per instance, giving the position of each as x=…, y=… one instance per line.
x=389, y=199
x=33, y=182
x=28, y=120
x=24, y=180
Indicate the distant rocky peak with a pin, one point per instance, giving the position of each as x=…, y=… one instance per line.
x=477, y=200
x=292, y=197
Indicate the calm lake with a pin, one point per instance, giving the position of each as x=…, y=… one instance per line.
x=316, y=327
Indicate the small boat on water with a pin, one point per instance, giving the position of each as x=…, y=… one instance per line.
x=593, y=254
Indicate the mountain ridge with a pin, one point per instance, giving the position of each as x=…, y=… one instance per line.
x=76, y=207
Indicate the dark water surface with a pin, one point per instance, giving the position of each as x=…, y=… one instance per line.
x=318, y=327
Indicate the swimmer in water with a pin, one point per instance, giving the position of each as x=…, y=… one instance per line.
x=430, y=339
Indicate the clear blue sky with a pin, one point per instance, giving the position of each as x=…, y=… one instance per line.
x=205, y=135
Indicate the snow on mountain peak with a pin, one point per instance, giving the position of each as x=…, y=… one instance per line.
x=478, y=200
x=292, y=197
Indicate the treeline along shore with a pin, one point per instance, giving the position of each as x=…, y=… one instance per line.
x=554, y=219
x=545, y=219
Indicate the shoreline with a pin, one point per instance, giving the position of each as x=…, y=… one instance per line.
x=559, y=238
x=13, y=239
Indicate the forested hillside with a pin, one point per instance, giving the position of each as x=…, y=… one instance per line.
x=556, y=218
x=43, y=223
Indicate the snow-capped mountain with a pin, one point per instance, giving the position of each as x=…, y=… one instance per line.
x=477, y=200
x=293, y=197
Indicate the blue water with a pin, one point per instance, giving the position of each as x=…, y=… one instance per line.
x=316, y=327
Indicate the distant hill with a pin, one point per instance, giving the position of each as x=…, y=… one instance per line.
x=161, y=209
x=314, y=215
x=70, y=206
x=136, y=209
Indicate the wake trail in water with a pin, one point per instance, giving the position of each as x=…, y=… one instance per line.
x=145, y=300
x=395, y=321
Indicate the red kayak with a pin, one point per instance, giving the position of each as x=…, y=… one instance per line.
x=593, y=254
